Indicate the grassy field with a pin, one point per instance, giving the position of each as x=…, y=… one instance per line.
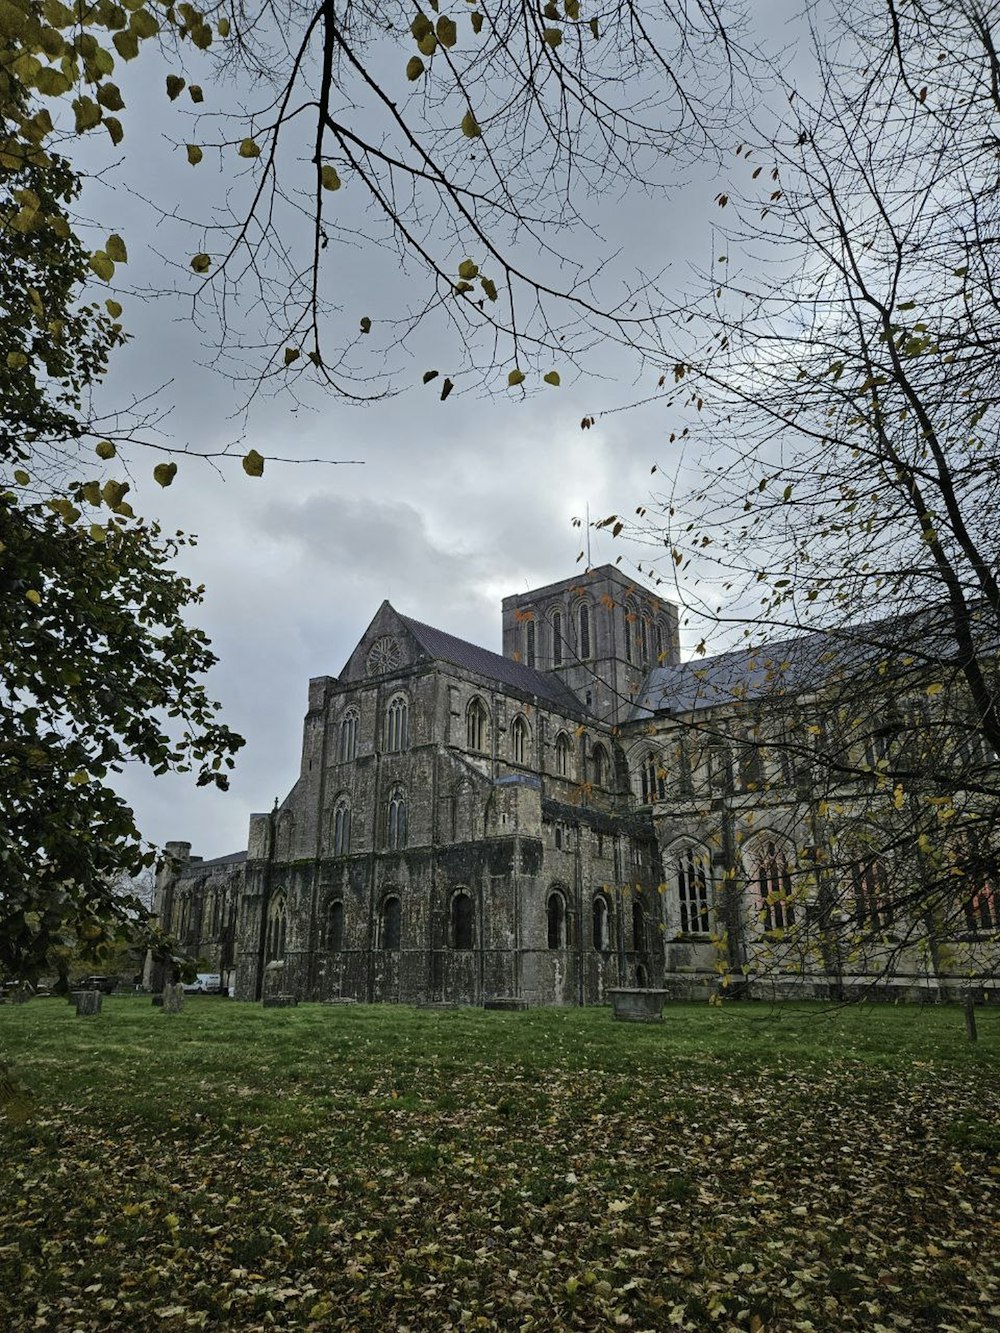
x=367, y=1168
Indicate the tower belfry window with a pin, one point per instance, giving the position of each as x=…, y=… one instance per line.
x=557, y=639
x=584, y=631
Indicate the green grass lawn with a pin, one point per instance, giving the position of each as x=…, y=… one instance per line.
x=352, y=1167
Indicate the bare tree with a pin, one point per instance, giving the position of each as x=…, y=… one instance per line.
x=840, y=387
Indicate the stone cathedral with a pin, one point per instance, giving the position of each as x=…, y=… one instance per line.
x=476, y=828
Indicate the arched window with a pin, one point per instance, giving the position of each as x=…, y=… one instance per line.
x=631, y=616
x=390, y=924
x=599, y=766
x=644, y=640
x=397, y=724
x=556, y=920
x=519, y=738
x=658, y=637
x=529, y=643
x=773, y=883
x=557, y=639
x=562, y=754
x=693, y=877
x=982, y=910
x=334, y=928
x=349, y=735
x=477, y=728
x=601, y=924
x=396, y=823
x=342, y=827
x=652, y=779
x=277, y=921
x=870, y=890
x=638, y=926
x=584, y=622
x=208, y=914
x=462, y=921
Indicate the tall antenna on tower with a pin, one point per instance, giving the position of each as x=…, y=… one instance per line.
x=589, y=561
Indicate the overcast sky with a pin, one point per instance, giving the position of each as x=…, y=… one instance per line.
x=454, y=505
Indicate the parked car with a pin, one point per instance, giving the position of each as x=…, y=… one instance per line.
x=205, y=983
x=96, y=981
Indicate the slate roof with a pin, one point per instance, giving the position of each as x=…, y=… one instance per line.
x=795, y=666
x=437, y=644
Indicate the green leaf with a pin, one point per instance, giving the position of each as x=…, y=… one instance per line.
x=164, y=473
x=427, y=45
x=195, y=93
x=292, y=354
x=175, y=86
x=329, y=178
x=126, y=44
x=115, y=249
x=143, y=24
x=223, y=27
x=52, y=82
x=477, y=21
x=201, y=263
x=552, y=378
x=98, y=533
x=21, y=477
x=414, y=68
x=447, y=31
x=253, y=464
x=470, y=126
x=194, y=154
x=249, y=148
x=572, y=8
x=110, y=97
x=114, y=128
x=87, y=113
x=594, y=29
x=420, y=27
x=489, y=287
x=468, y=270
x=102, y=265
x=515, y=377
x=105, y=449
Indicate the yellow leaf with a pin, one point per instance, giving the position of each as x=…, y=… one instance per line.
x=253, y=464
x=223, y=27
x=414, y=68
x=194, y=154
x=467, y=269
x=105, y=450
x=164, y=473
x=249, y=148
x=936, y=688
x=552, y=37
x=113, y=308
x=114, y=248
x=195, y=93
x=515, y=377
x=201, y=263
x=552, y=378
x=470, y=126
x=175, y=86
x=21, y=477
x=477, y=21
x=34, y=597
x=329, y=178
x=427, y=44
x=114, y=128
x=447, y=32
x=97, y=533
x=489, y=287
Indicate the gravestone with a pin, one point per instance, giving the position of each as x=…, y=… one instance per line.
x=173, y=999
x=88, y=1001
x=641, y=1004
x=279, y=1002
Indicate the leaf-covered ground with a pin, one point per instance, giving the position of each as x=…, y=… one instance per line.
x=369, y=1168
